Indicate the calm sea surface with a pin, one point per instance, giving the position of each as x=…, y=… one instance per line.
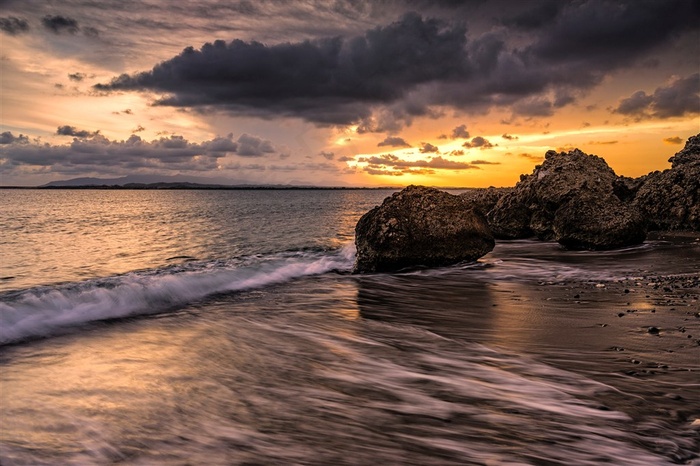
x=224, y=327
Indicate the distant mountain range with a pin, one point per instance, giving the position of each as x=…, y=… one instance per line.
x=174, y=182
x=143, y=180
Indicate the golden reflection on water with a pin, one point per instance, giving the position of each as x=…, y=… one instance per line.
x=65, y=236
x=100, y=382
x=69, y=235
x=120, y=379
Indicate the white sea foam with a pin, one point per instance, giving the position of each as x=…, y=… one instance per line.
x=41, y=311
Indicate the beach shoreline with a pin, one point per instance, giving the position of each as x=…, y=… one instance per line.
x=521, y=356
x=638, y=335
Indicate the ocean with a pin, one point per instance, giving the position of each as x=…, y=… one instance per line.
x=171, y=327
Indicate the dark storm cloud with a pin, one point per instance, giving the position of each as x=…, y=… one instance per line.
x=478, y=142
x=563, y=98
x=636, y=104
x=8, y=138
x=570, y=49
x=535, y=17
x=534, y=107
x=606, y=34
x=539, y=106
x=394, y=117
x=13, y=25
x=90, y=32
x=393, y=142
x=380, y=80
x=509, y=137
x=680, y=97
x=328, y=155
x=327, y=81
x=59, y=24
x=427, y=148
x=460, y=132
x=253, y=146
x=73, y=131
x=77, y=76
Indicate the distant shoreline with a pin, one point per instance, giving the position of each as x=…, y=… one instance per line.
x=193, y=186
x=158, y=186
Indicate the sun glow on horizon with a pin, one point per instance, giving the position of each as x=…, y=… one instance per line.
x=630, y=148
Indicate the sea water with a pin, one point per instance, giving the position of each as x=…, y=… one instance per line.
x=225, y=327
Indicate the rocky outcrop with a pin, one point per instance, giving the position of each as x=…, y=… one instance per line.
x=573, y=198
x=689, y=155
x=568, y=184
x=420, y=226
x=484, y=199
x=594, y=222
x=510, y=217
x=626, y=188
x=671, y=199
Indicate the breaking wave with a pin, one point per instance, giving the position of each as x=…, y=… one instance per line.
x=43, y=310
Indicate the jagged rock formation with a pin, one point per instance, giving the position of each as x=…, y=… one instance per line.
x=577, y=192
x=593, y=222
x=689, y=155
x=420, y=226
x=484, y=199
x=671, y=199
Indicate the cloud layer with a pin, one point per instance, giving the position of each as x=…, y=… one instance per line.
x=13, y=25
x=390, y=164
x=678, y=98
x=404, y=68
x=94, y=152
x=546, y=68
x=326, y=81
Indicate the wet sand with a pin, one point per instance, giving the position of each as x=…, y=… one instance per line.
x=639, y=334
x=644, y=326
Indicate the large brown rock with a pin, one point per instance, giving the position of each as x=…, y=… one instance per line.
x=531, y=207
x=570, y=181
x=690, y=154
x=484, y=199
x=671, y=199
x=420, y=226
x=596, y=223
x=510, y=217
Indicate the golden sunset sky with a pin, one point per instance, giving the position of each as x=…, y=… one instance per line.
x=342, y=93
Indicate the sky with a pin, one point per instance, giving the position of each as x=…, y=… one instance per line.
x=342, y=93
